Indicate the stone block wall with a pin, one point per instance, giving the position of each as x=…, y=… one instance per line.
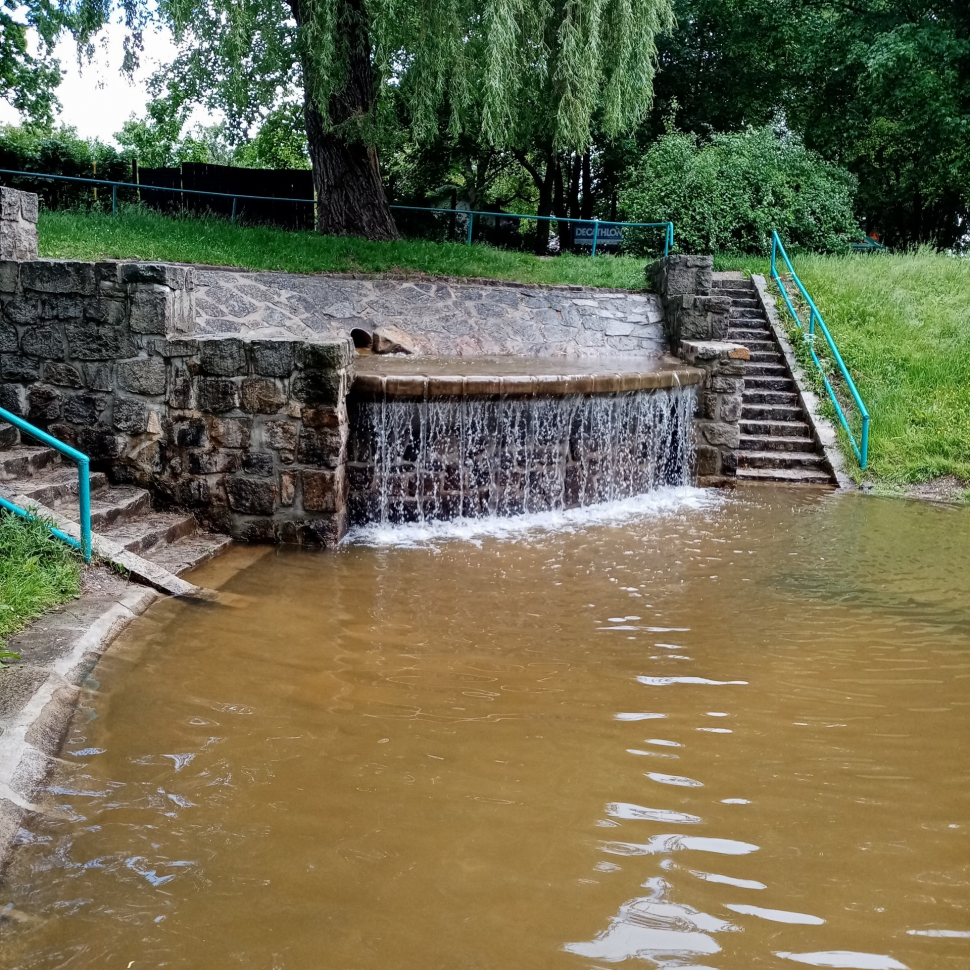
x=18, y=224
x=696, y=322
x=250, y=435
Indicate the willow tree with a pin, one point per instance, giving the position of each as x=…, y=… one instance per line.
x=494, y=69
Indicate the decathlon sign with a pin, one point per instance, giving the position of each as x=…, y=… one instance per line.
x=605, y=233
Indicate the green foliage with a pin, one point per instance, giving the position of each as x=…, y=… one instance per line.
x=59, y=151
x=139, y=234
x=27, y=81
x=884, y=85
x=726, y=195
x=497, y=69
x=37, y=572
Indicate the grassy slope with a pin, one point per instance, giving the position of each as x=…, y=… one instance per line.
x=902, y=325
x=37, y=571
x=145, y=235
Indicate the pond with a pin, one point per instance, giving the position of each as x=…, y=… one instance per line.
x=696, y=729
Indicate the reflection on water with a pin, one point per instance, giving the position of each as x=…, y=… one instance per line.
x=701, y=731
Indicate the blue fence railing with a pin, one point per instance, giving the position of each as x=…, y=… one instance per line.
x=83, y=484
x=595, y=241
x=817, y=325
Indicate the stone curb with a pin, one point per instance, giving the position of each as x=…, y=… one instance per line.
x=822, y=429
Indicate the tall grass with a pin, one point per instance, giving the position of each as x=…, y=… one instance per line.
x=902, y=325
x=37, y=571
x=137, y=233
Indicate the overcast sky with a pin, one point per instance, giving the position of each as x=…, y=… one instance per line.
x=95, y=98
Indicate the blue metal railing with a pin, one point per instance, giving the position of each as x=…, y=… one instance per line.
x=668, y=227
x=83, y=484
x=861, y=447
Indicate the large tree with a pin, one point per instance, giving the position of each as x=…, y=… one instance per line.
x=500, y=70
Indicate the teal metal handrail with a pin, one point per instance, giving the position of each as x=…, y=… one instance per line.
x=861, y=447
x=83, y=484
x=668, y=227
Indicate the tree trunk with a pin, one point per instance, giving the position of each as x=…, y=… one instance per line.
x=346, y=170
x=546, y=188
x=587, y=209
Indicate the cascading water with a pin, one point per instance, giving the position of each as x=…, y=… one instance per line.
x=446, y=458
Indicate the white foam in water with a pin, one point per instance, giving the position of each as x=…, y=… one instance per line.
x=656, y=504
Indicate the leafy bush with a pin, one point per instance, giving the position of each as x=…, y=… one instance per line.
x=60, y=151
x=727, y=194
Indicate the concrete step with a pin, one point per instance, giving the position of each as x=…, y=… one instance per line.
x=771, y=412
x=759, y=346
x=776, y=429
x=779, y=459
x=736, y=291
x=9, y=435
x=749, y=302
x=188, y=552
x=22, y=461
x=766, y=357
x=118, y=504
x=745, y=313
x=776, y=443
x=768, y=397
x=54, y=486
x=144, y=532
x=737, y=335
x=765, y=370
x=768, y=382
x=791, y=476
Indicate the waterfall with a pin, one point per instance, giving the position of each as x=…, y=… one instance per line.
x=445, y=458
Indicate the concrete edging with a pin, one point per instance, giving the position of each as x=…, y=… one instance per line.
x=32, y=736
x=823, y=431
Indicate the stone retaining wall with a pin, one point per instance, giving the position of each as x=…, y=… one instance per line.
x=249, y=435
x=437, y=316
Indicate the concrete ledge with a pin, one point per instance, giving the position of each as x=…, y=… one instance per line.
x=422, y=377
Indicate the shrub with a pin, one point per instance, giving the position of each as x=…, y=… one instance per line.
x=726, y=194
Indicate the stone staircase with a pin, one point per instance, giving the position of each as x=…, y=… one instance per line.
x=777, y=442
x=121, y=514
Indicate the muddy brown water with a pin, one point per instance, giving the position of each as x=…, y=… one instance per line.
x=713, y=731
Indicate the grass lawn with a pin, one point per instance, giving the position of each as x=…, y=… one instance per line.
x=37, y=572
x=139, y=234
x=902, y=325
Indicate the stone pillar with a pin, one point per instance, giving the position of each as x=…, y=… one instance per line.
x=18, y=225
x=696, y=323
x=717, y=420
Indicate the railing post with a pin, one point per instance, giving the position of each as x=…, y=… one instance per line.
x=114, y=200
x=596, y=235
x=232, y=218
x=864, y=456
x=84, y=501
x=471, y=222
